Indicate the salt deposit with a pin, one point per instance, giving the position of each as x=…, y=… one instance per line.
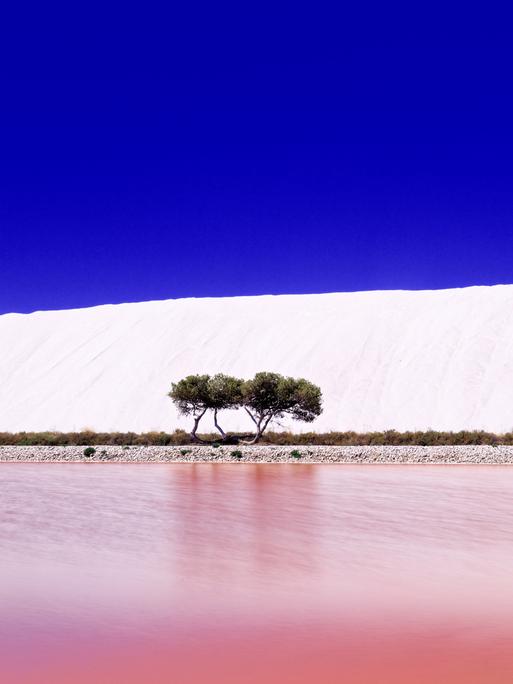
x=389, y=359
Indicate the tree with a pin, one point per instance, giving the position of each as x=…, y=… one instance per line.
x=191, y=397
x=270, y=396
x=197, y=394
x=225, y=392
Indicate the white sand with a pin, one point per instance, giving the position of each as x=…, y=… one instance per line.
x=392, y=359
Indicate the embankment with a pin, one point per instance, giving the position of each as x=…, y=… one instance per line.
x=261, y=454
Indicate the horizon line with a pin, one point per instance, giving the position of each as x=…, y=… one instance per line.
x=255, y=296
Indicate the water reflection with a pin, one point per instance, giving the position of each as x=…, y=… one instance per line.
x=255, y=573
x=242, y=525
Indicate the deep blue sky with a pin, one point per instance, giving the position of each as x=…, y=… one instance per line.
x=387, y=167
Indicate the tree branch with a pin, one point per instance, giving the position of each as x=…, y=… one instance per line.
x=266, y=424
x=251, y=415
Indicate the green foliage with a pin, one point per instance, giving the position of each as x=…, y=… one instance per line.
x=89, y=451
x=295, y=453
x=197, y=393
x=236, y=453
x=184, y=451
x=271, y=394
x=191, y=395
x=224, y=392
x=262, y=393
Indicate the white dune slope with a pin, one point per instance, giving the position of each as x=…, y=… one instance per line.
x=393, y=359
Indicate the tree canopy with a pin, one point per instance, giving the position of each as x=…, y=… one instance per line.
x=191, y=396
x=266, y=397
x=270, y=396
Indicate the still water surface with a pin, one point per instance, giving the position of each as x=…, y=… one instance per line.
x=247, y=574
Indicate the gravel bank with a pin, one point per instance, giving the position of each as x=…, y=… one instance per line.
x=260, y=454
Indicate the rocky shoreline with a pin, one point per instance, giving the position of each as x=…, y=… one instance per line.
x=261, y=454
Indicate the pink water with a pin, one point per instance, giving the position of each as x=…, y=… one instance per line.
x=241, y=574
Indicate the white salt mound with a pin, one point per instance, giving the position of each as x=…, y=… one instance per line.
x=392, y=359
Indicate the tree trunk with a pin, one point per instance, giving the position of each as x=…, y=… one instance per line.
x=195, y=428
x=260, y=427
x=219, y=428
x=255, y=439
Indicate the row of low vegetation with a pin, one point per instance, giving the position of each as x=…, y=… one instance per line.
x=182, y=438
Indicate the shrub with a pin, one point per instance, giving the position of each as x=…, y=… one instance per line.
x=295, y=453
x=236, y=453
x=89, y=451
x=181, y=438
